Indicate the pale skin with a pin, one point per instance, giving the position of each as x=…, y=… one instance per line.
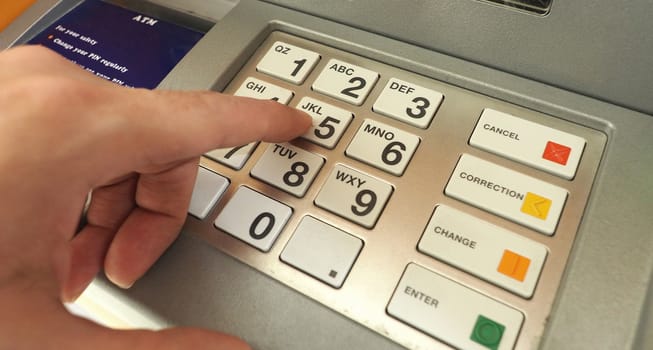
x=63, y=133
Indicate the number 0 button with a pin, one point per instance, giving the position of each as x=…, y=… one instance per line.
x=354, y=196
x=253, y=218
x=345, y=81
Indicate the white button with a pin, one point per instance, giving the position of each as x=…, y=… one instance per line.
x=515, y=196
x=234, y=157
x=539, y=146
x=483, y=249
x=322, y=251
x=253, y=218
x=288, y=62
x=287, y=167
x=408, y=103
x=209, y=187
x=329, y=122
x=345, y=81
x=383, y=146
x=263, y=90
x=452, y=312
x=354, y=195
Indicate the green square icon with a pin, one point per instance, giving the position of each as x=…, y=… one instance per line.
x=487, y=332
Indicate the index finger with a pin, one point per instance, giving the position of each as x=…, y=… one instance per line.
x=138, y=130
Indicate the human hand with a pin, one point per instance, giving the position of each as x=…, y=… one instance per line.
x=64, y=132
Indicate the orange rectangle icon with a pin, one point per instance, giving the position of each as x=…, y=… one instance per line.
x=514, y=265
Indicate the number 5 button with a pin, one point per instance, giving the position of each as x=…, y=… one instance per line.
x=253, y=218
x=329, y=122
x=408, y=103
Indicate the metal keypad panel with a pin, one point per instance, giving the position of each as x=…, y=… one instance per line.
x=409, y=205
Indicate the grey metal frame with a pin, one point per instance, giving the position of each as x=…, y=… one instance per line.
x=605, y=299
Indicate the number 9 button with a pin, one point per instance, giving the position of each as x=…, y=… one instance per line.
x=354, y=196
x=408, y=103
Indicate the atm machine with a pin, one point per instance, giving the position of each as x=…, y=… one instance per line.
x=478, y=174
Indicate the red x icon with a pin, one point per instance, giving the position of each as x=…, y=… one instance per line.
x=556, y=153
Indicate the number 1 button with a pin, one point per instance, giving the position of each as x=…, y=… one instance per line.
x=288, y=62
x=253, y=218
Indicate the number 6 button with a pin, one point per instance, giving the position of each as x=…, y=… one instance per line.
x=253, y=218
x=408, y=103
x=383, y=146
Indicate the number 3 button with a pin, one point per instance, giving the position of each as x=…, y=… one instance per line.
x=253, y=218
x=408, y=103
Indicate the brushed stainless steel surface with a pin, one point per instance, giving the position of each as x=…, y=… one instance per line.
x=391, y=245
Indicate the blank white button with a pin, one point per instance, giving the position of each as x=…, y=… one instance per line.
x=322, y=251
x=253, y=218
x=354, y=195
x=288, y=62
x=345, y=81
x=539, y=146
x=452, y=312
x=329, y=122
x=383, y=146
x=263, y=90
x=209, y=187
x=505, y=192
x=408, y=102
x=288, y=168
x=479, y=248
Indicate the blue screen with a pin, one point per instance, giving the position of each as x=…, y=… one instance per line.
x=120, y=45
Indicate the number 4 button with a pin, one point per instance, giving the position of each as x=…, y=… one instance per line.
x=253, y=218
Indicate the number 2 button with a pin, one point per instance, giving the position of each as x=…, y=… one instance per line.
x=345, y=82
x=253, y=218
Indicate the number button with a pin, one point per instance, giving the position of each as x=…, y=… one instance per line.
x=253, y=218
x=234, y=157
x=354, y=196
x=288, y=168
x=345, y=82
x=383, y=146
x=288, y=62
x=263, y=90
x=408, y=103
x=329, y=122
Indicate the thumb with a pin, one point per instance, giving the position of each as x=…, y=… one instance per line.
x=34, y=322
